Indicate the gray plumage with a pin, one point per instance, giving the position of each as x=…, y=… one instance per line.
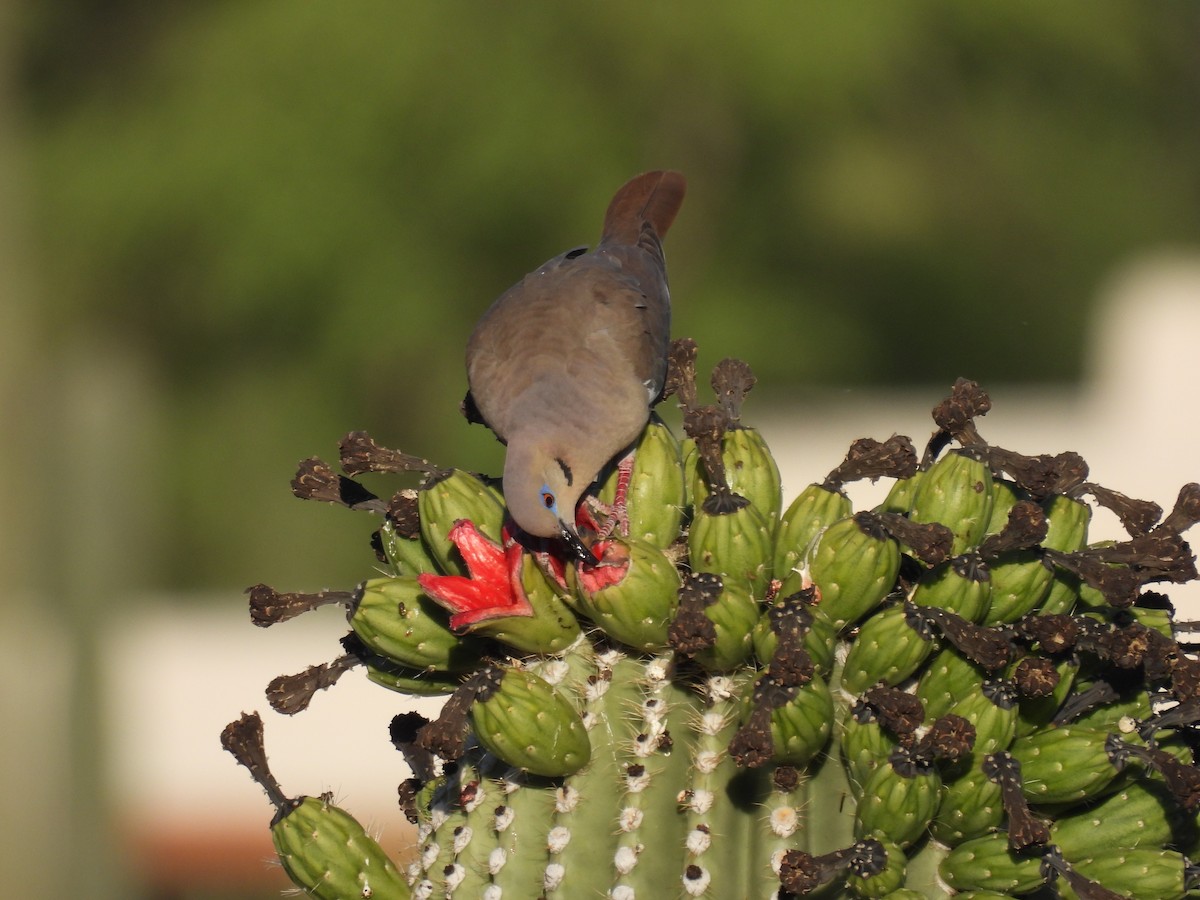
x=565, y=365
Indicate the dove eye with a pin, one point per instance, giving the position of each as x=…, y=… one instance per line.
x=548, y=500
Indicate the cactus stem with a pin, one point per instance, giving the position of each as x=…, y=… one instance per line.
x=1053, y=634
x=1182, y=780
x=446, y=735
x=931, y=542
x=681, y=373
x=1035, y=676
x=956, y=414
x=291, y=694
x=359, y=453
x=1186, y=511
x=270, y=607
x=404, y=514
x=641, y=778
x=732, y=380
x=1186, y=713
x=781, y=821
x=1024, y=829
x=989, y=647
x=1079, y=704
x=244, y=739
x=803, y=873
x=1026, y=527
x=691, y=631
x=706, y=425
x=403, y=731
x=898, y=711
x=315, y=480
x=1041, y=476
x=1053, y=865
x=716, y=842
x=1137, y=516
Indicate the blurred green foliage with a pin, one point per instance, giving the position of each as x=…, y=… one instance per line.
x=294, y=212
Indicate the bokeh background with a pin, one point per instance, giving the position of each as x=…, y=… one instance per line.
x=232, y=231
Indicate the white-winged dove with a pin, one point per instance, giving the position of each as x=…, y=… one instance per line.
x=565, y=366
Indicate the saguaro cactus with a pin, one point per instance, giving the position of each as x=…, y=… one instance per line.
x=952, y=694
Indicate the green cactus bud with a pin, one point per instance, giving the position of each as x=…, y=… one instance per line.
x=1158, y=619
x=900, y=497
x=992, y=709
x=797, y=718
x=854, y=566
x=409, y=681
x=820, y=641
x=754, y=472
x=732, y=543
x=948, y=676
x=814, y=509
x=406, y=553
x=525, y=722
x=655, y=496
x=865, y=745
x=957, y=492
x=750, y=471
x=631, y=593
x=396, y=620
x=714, y=622
x=1068, y=529
x=327, y=853
x=1148, y=872
x=1142, y=814
x=1131, y=704
x=1063, y=764
x=1005, y=495
x=1022, y=582
x=885, y=882
x=1087, y=599
x=962, y=585
x=971, y=806
x=987, y=864
x=899, y=800
x=693, y=470
x=448, y=497
x=800, y=728
x=1038, y=712
x=890, y=646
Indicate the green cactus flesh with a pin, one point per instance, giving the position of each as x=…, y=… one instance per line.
x=915, y=703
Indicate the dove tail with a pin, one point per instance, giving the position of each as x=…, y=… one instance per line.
x=652, y=198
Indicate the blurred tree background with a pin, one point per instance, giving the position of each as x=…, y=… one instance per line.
x=238, y=230
x=291, y=214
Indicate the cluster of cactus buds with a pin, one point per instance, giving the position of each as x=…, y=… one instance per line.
x=950, y=694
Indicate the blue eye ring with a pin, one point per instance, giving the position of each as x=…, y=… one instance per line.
x=548, y=499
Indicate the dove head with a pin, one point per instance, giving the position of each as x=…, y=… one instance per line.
x=541, y=491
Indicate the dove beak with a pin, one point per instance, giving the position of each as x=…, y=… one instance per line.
x=575, y=543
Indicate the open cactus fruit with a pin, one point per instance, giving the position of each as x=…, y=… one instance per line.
x=950, y=694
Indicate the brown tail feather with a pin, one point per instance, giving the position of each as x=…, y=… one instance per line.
x=653, y=197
